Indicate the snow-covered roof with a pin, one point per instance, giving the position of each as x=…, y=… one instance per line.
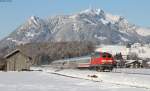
x=131, y=61
x=148, y=62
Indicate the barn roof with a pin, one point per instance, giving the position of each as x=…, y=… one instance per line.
x=13, y=53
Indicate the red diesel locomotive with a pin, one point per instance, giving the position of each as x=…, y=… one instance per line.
x=102, y=61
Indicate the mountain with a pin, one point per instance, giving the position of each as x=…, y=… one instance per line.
x=91, y=24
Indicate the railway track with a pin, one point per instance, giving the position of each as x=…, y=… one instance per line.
x=114, y=71
x=137, y=73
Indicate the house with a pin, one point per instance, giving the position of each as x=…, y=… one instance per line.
x=120, y=63
x=133, y=64
x=17, y=61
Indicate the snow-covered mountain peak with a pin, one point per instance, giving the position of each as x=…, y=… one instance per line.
x=34, y=20
x=34, y=17
x=99, y=13
x=93, y=11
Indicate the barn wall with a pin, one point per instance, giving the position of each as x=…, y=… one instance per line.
x=2, y=64
x=17, y=62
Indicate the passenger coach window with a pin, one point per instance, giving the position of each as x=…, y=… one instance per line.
x=97, y=54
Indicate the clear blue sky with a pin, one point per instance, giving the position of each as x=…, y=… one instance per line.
x=16, y=12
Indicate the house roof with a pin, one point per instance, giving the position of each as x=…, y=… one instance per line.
x=132, y=61
x=148, y=62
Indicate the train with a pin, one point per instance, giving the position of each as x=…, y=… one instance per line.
x=99, y=61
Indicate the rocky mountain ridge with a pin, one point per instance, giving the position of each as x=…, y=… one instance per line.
x=88, y=25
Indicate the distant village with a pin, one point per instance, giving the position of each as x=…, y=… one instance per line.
x=129, y=56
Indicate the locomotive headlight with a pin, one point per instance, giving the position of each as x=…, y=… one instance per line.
x=103, y=61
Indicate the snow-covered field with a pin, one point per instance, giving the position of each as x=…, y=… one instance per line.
x=140, y=78
x=136, y=80
x=61, y=80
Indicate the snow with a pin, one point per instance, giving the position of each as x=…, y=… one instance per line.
x=50, y=79
x=89, y=21
x=35, y=20
x=98, y=11
x=92, y=11
x=143, y=31
x=16, y=41
x=75, y=27
x=42, y=81
x=123, y=79
x=29, y=34
x=9, y=38
x=100, y=37
x=127, y=79
x=130, y=61
x=104, y=21
x=73, y=16
x=112, y=18
x=123, y=38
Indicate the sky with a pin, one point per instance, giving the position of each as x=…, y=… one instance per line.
x=13, y=13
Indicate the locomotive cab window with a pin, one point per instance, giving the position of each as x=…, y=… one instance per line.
x=109, y=55
x=104, y=55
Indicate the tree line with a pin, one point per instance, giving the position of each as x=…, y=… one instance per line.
x=45, y=53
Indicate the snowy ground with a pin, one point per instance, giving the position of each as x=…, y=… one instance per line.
x=138, y=80
x=135, y=80
x=45, y=81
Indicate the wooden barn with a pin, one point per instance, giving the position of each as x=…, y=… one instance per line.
x=17, y=61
